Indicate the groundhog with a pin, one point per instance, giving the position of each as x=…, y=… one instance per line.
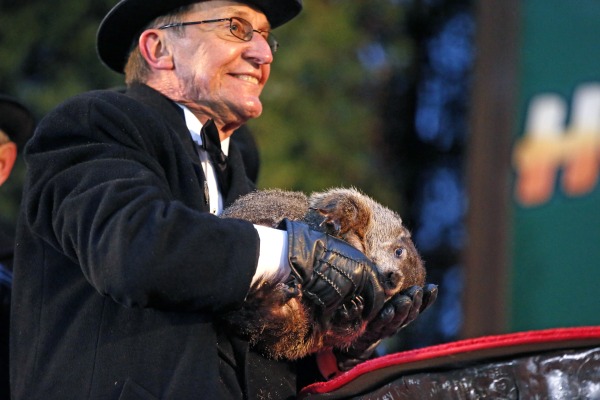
x=274, y=317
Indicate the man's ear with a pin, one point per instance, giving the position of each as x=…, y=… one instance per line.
x=153, y=47
x=8, y=155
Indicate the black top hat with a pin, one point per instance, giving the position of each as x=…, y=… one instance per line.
x=16, y=120
x=122, y=24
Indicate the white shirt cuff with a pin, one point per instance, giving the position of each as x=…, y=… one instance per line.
x=273, y=259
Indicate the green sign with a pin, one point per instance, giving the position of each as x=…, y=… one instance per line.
x=555, y=277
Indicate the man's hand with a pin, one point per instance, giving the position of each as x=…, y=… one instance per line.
x=397, y=312
x=332, y=274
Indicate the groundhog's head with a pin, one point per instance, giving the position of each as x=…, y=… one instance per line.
x=375, y=230
x=389, y=244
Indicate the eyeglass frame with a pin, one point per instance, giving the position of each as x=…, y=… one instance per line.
x=270, y=38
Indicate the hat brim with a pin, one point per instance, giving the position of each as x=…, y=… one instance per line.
x=16, y=120
x=118, y=30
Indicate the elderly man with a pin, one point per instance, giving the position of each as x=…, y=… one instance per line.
x=122, y=267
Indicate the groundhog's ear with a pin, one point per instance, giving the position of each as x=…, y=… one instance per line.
x=345, y=214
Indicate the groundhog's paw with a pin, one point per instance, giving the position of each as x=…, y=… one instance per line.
x=344, y=217
x=349, y=313
x=288, y=291
x=340, y=214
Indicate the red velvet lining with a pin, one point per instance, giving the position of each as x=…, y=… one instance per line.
x=469, y=349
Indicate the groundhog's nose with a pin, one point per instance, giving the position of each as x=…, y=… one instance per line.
x=392, y=283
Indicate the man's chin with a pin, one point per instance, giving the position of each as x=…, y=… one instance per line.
x=253, y=110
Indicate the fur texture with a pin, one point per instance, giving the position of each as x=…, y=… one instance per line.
x=274, y=317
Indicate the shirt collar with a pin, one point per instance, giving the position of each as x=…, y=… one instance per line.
x=195, y=126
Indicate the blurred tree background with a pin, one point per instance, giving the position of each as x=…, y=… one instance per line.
x=364, y=93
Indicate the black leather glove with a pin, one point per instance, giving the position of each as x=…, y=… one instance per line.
x=332, y=274
x=397, y=312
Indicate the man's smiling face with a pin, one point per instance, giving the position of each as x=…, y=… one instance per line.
x=220, y=75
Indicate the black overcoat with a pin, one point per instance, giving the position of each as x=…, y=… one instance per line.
x=119, y=268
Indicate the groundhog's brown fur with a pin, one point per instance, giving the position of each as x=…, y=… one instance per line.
x=274, y=317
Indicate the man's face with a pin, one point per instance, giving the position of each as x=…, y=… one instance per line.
x=220, y=75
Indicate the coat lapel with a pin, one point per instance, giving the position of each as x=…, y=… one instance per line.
x=173, y=114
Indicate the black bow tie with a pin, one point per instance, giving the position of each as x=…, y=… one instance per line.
x=211, y=143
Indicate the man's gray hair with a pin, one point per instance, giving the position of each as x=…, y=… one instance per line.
x=137, y=69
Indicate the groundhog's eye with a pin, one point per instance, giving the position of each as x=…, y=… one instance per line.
x=398, y=252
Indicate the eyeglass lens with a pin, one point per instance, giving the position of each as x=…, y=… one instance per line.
x=242, y=29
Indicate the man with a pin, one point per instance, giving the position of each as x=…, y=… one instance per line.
x=16, y=126
x=122, y=269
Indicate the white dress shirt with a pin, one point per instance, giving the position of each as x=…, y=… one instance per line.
x=272, y=261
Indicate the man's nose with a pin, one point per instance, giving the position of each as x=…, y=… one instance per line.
x=259, y=50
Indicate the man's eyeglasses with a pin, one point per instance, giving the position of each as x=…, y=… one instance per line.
x=239, y=28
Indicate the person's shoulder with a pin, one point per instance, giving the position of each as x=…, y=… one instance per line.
x=90, y=98
x=89, y=108
x=114, y=108
x=100, y=96
x=95, y=115
x=95, y=104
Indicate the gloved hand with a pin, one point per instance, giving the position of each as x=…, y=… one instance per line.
x=397, y=312
x=332, y=274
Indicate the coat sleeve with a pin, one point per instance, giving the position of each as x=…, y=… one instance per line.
x=112, y=190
